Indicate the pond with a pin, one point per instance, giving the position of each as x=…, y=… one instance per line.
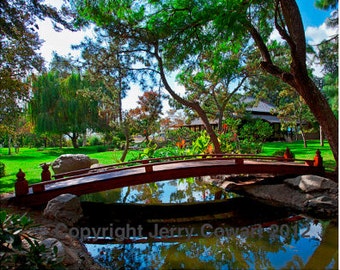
x=184, y=224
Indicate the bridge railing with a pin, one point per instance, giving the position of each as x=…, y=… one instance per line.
x=22, y=187
x=239, y=158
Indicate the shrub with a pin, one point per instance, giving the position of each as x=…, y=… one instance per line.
x=280, y=153
x=256, y=131
x=94, y=140
x=15, y=255
x=102, y=148
x=175, y=135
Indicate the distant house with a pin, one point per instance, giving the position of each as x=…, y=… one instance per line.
x=257, y=109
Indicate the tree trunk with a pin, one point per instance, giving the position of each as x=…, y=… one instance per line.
x=303, y=135
x=84, y=139
x=9, y=145
x=127, y=142
x=61, y=141
x=293, y=33
x=321, y=137
x=74, y=140
x=193, y=105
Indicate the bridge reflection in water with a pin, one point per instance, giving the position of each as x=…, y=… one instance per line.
x=232, y=233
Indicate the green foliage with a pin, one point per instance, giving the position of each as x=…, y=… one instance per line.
x=228, y=137
x=59, y=107
x=253, y=134
x=256, y=131
x=201, y=144
x=175, y=135
x=14, y=254
x=149, y=151
x=2, y=169
x=94, y=140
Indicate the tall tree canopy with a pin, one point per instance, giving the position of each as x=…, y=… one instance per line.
x=179, y=30
x=19, y=44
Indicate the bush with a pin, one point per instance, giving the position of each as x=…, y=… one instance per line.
x=256, y=131
x=175, y=135
x=101, y=149
x=94, y=140
x=14, y=254
x=280, y=153
x=2, y=169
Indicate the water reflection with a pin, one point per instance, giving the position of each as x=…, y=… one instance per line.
x=234, y=233
x=269, y=251
x=173, y=191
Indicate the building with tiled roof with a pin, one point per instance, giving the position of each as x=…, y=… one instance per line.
x=256, y=109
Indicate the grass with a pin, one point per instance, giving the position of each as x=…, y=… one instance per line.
x=28, y=159
x=300, y=152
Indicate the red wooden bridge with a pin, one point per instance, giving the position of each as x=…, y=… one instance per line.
x=152, y=170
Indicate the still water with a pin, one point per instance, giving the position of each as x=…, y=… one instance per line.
x=184, y=224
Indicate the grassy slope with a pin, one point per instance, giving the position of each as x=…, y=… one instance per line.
x=29, y=159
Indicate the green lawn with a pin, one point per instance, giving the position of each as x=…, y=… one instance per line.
x=29, y=159
x=302, y=153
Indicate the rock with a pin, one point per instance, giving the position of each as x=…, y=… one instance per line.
x=279, y=194
x=50, y=244
x=71, y=162
x=97, y=165
x=310, y=194
x=311, y=183
x=94, y=161
x=65, y=208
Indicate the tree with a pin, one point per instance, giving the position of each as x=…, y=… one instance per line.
x=213, y=80
x=57, y=107
x=181, y=29
x=146, y=116
x=19, y=42
x=295, y=113
x=288, y=22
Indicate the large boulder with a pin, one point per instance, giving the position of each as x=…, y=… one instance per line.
x=71, y=162
x=315, y=195
x=65, y=208
x=311, y=194
x=312, y=183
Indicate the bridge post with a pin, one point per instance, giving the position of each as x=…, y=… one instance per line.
x=318, y=162
x=21, y=185
x=148, y=167
x=239, y=161
x=287, y=154
x=46, y=174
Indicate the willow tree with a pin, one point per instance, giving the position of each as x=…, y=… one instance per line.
x=178, y=30
x=58, y=107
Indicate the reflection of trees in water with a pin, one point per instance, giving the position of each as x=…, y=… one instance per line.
x=184, y=190
x=103, y=196
x=251, y=252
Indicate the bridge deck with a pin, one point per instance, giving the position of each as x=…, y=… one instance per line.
x=111, y=178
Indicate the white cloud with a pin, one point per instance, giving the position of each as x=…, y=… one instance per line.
x=315, y=35
x=130, y=101
x=59, y=42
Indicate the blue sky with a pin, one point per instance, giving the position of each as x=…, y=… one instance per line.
x=311, y=16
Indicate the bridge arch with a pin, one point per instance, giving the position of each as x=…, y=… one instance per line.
x=154, y=170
